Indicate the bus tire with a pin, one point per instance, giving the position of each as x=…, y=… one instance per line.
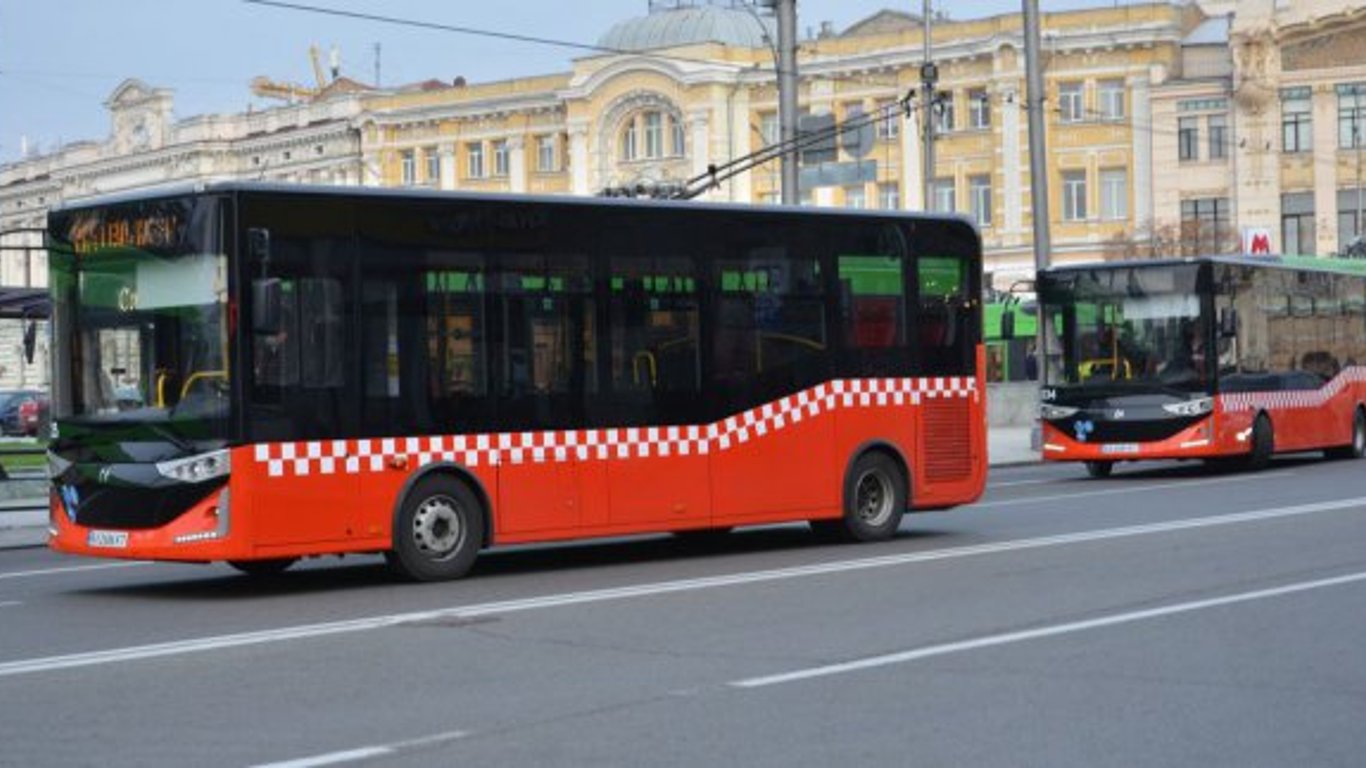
x=1100, y=468
x=1357, y=448
x=438, y=530
x=264, y=568
x=874, y=500
x=1263, y=443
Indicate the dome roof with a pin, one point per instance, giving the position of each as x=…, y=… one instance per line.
x=671, y=27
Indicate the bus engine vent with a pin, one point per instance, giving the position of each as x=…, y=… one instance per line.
x=948, y=447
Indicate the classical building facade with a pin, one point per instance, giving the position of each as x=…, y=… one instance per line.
x=1262, y=133
x=1171, y=128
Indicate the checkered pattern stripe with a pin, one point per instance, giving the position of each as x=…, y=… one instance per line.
x=330, y=457
x=1299, y=398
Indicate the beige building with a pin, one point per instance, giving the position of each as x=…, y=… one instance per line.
x=1262, y=130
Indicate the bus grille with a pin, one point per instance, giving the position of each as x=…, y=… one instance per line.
x=948, y=447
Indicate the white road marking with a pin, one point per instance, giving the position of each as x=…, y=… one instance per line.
x=989, y=641
x=10, y=603
x=73, y=569
x=367, y=753
x=1132, y=489
x=308, y=631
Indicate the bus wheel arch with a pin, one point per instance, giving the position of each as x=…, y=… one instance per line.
x=441, y=521
x=1357, y=447
x=875, y=493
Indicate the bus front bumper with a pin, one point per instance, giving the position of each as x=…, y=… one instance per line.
x=201, y=534
x=1199, y=440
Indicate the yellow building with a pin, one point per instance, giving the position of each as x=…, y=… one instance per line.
x=692, y=85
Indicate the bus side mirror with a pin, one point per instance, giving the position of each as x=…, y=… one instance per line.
x=30, y=340
x=265, y=306
x=1228, y=323
x=1007, y=324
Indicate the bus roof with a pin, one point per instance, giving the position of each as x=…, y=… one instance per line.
x=1334, y=264
x=404, y=193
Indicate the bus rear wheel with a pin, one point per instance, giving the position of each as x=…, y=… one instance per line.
x=1263, y=443
x=1100, y=468
x=874, y=501
x=1357, y=448
x=264, y=568
x=438, y=531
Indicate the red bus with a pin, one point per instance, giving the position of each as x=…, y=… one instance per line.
x=1227, y=359
x=255, y=374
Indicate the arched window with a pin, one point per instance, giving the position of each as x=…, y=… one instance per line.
x=676, y=128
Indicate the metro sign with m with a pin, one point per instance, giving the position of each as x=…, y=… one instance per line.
x=1256, y=241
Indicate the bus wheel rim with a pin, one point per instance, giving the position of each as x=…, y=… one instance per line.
x=873, y=498
x=437, y=528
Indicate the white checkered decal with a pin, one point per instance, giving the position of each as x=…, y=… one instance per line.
x=1295, y=398
x=328, y=457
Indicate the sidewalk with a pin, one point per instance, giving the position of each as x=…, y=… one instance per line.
x=23, y=513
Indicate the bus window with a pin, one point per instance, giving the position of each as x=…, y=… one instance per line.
x=654, y=312
x=873, y=297
x=549, y=343
x=943, y=316
x=770, y=320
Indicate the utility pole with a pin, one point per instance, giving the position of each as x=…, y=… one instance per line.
x=787, y=95
x=929, y=75
x=1038, y=158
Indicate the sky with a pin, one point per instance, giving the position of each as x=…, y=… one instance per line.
x=61, y=59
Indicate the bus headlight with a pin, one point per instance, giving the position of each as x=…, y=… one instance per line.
x=1049, y=411
x=1197, y=407
x=196, y=469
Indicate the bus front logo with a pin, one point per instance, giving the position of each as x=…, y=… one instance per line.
x=1119, y=413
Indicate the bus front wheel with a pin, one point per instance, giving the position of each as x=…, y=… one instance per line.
x=874, y=501
x=438, y=531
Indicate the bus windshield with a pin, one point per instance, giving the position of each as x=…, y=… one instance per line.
x=140, y=307
x=1125, y=329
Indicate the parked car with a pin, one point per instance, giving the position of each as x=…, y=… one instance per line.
x=22, y=411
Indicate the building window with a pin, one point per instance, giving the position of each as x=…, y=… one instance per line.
x=629, y=147
x=547, y=159
x=1111, y=94
x=1188, y=139
x=1205, y=225
x=474, y=152
x=889, y=196
x=979, y=109
x=769, y=197
x=768, y=128
x=1114, y=194
x=889, y=119
x=1217, y=125
x=979, y=194
x=1073, y=195
x=679, y=145
x=854, y=197
x=408, y=168
x=1351, y=115
x=1297, y=126
x=654, y=134
x=943, y=113
x=500, y=158
x=433, y=166
x=1070, y=105
x=1351, y=201
x=943, y=193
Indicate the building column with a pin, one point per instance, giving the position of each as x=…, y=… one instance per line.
x=448, y=167
x=517, y=163
x=1325, y=116
x=372, y=172
x=699, y=135
x=578, y=158
x=1011, y=169
x=741, y=186
x=912, y=198
x=1141, y=107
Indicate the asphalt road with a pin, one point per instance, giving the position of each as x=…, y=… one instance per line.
x=1166, y=616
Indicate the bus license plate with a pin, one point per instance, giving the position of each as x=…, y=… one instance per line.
x=1119, y=448
x=107, y=539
